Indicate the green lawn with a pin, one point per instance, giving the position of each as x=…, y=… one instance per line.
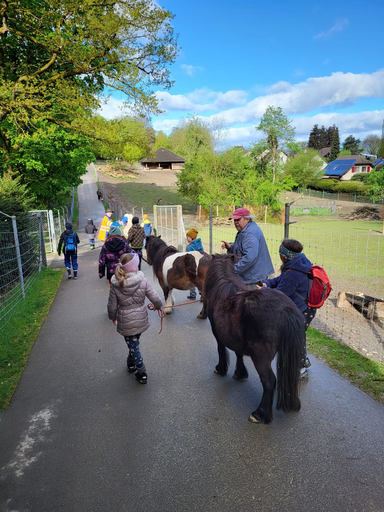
x=145, y=195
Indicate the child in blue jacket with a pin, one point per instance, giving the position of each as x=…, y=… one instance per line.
x=293, y=281
x=194, y=244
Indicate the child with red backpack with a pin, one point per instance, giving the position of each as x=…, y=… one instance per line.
x=294, y=282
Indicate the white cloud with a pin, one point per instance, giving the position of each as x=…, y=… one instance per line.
x=339, y=26
x=112, y=108
x=191, y=70
x=201, y=100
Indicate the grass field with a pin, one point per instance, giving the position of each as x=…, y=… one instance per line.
x=145, y=195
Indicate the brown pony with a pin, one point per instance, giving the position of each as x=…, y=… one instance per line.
x=259, y=324
x=174, y=269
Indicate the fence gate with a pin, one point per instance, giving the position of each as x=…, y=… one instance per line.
x=168, y=222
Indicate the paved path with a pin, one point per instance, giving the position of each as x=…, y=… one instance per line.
x=82, y=435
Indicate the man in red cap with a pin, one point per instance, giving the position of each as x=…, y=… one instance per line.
x=255, y=263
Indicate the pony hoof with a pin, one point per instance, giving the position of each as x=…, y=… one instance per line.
x=253, y=419
x=234, y=376
x=218, y=372
x=203, y=317
x=168, y=311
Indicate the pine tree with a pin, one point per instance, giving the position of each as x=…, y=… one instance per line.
x=323, y=138
x=335, y=146
x=331, y=131
x=313, y=141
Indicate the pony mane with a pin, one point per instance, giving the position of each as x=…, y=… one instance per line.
x=157, y=251
x=221, y=280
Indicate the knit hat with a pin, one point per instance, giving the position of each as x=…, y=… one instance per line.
x=132, y=265
x=192, y=233
x=135, y=220
x=114, y=230
x=124, y=219
x=68, y=225
x=145, y=217
x=109, y=211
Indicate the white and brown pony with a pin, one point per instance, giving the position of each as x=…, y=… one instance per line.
x=174, y=269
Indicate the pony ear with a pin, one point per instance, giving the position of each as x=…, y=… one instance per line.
x=159, y=236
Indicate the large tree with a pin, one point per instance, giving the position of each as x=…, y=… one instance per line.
x=335, y=145
x=279, y=133
x=191, y=137
x=305, y=167
x=351, y=144
x=59, y=59
x=371, y=144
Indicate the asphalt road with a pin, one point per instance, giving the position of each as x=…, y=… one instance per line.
x=82, y=435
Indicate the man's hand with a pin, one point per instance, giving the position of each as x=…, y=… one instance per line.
x=225, y=245
x=114, y=321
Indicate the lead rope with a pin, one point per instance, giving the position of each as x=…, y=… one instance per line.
x=161, y=311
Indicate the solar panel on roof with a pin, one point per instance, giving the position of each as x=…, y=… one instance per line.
x=339, y=167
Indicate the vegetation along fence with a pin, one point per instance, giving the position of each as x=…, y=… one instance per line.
x=337, y=196
x=22, y=255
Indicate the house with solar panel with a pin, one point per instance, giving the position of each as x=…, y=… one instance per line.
x=345, y=167
x=378, y=163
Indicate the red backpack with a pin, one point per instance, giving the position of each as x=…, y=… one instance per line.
x=319, y=287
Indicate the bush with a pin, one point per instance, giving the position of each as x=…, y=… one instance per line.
x=331, y=185
x=360, y=178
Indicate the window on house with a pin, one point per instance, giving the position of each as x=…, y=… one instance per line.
x=357, y=169
x=364, y=169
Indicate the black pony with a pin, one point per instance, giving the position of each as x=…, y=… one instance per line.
x=174, y=269
x=259, y=324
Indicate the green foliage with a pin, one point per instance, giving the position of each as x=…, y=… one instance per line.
x=351, y=144
x=332, y=185
x=380, y=151
x=376, y=183
x=13, y=201
x=49, y=161
x=57, y=61
x=162, y=140
x=191, y=138
x=304, y=168
x=279, y=133
x=345, y=152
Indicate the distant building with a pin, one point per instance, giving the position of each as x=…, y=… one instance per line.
x=164, y=160
x=344, y=167
x=325, y=152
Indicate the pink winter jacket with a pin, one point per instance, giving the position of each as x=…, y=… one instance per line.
x=127, y=303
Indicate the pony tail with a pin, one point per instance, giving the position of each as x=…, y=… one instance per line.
x=120, y=275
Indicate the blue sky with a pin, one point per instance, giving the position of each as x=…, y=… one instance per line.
x=322, y=62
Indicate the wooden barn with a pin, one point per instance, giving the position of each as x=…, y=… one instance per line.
x=164, y=160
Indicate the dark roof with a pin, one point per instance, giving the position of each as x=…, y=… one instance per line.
x=339, y=167
x=163, y=155
x=325, y=151
x=359, y=160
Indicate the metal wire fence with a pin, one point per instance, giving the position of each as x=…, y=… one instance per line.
x=22, y=255
x=338, y=196
x=354, y=312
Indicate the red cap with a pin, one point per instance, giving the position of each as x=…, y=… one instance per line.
x=240, y=212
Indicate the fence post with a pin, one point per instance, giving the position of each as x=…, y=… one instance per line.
x=17, y=245
x=210, y=229
x=51, y=227
x=43, y=256
x=155, y=218
x=286, y=220
x=179, y=227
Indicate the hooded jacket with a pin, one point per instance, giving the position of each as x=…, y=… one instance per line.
x=195, y=245
x=293, y=280
x=127, y=303
x=62, y=239
x=90, y=229
x=255, y=263
x=110, y=254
